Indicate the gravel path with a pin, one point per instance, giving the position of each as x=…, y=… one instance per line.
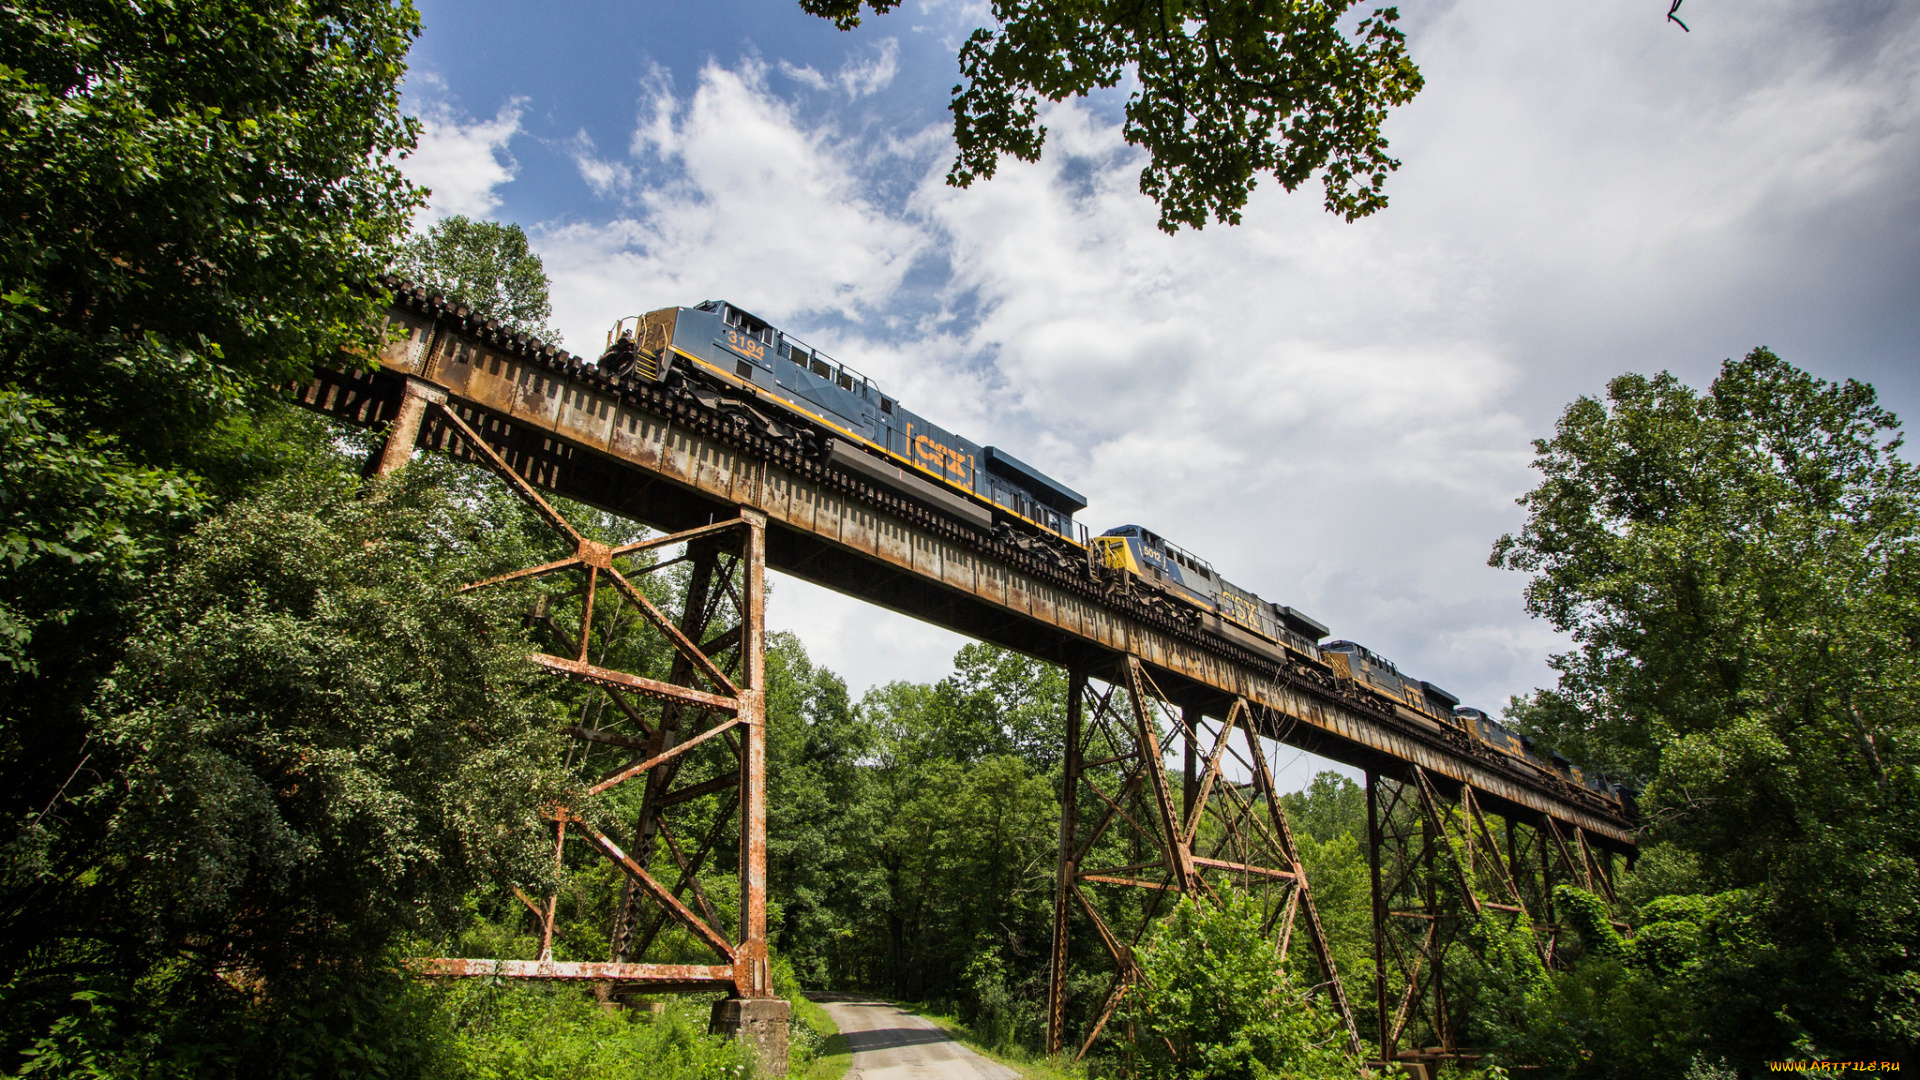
x=890, y=1043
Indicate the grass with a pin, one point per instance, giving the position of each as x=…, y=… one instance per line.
x=1030, y=1066
x=501, y=1031
x=831, y=1055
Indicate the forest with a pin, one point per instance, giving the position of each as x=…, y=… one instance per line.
x=256, y=751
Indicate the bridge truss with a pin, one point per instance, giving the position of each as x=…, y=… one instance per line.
x=1462, y=843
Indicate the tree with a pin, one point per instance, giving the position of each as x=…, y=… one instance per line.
x=483, y=265
x=314, y=749
x=199, y=199
x=1221, y=93
x=1213, y=1002
x=1740, y=573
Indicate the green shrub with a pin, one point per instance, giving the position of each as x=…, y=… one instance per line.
x=1215, y=1003
x=503, y=1031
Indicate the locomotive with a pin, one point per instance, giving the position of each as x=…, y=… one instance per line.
x=740, y=363
x=852, y=423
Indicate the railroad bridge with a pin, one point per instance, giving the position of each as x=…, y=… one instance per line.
x=1457, y=832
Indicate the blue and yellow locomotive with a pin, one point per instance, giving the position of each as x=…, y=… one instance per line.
x=740, y=363
x=857, y=426
x=1226, y=610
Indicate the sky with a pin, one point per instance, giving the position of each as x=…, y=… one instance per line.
x=1337, y=416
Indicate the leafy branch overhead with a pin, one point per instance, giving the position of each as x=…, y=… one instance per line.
x=1223, y=91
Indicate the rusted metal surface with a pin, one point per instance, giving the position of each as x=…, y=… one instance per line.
x=637, y=450
x=752, y=975
x=728, y=713
x=1224, y=833
x=638, y=684
x=661, y=893
x=703, y=976
x=1067, y=866
x=405, y=430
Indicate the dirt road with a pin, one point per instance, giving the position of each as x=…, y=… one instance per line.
x=890, y=1043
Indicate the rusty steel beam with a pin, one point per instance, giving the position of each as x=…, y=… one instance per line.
x=712, y=938
x=633, y=769
x=1068, y=864
x=638, y=684
x=754, y=978
x=704, y=976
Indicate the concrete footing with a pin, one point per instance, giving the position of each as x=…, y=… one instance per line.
x=761, y=1023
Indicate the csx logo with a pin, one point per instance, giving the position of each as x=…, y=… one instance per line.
x=942, y=459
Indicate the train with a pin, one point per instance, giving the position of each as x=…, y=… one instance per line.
x=740, y=363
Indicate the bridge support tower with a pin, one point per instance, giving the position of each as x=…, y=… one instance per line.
x=691, y=738
x=1131, y=846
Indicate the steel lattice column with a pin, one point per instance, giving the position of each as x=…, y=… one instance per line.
x=697, y=737
x=1439, y=863
x=1224, y=832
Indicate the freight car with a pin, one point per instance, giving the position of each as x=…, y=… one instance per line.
x=740, y=363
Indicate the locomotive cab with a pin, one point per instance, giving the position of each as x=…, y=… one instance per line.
x=1149, y=557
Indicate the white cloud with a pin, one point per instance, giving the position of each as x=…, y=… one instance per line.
x=463, y=161
x=861, y=78
x=858, y=77
x=805, y=76
x=607, y=178
x=751, y=206
x=1336, y=415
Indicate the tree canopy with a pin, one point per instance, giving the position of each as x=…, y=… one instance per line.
x=1737, y=570
x=1220, y=94
x=483, y=265
x=198, y=196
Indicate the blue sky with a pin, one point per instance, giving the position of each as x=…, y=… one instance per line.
x=1338, y=416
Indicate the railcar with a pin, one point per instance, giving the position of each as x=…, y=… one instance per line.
x=1493, y=733
x=1499, y=737
x=840, y=414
